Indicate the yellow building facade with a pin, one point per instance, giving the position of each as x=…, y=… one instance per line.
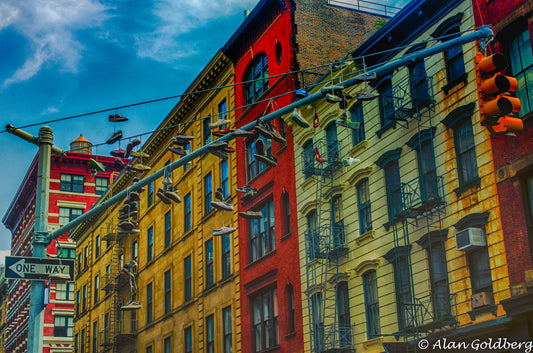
x=187, y=280
x=405, y=243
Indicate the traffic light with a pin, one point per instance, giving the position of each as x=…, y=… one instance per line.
x=497, y=107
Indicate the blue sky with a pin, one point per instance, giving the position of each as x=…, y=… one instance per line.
x=69, y=57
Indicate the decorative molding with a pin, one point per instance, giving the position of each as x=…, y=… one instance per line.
x=357, y=175
x=366, y=265
x=435, y=236
x=397, y=252
x=458, y=114
x=303, y=136
x=71, y=204
x=339, y=277
x=365, y=238
x=308, y=206
x=448, y=26
x=478, y=220
x=389, y=156
x=421, y=137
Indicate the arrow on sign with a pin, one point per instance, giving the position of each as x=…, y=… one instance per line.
x=38, y=268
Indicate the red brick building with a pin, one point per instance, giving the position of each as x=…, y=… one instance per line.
x=512, y=23
x=73, y=190
x=278, y=37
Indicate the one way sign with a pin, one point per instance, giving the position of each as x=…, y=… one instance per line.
x=34, y=268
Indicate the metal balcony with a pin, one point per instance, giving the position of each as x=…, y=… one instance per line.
x=338, y=338
x=407, y=97
x=127, y=330
x=329, y=152
x=431, y=312
x=326, y=242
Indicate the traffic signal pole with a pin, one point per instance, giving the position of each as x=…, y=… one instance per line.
x=41, y=236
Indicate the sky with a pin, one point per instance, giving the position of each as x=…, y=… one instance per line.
x=67, y=57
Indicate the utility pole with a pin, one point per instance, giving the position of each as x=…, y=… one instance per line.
x=41, y=237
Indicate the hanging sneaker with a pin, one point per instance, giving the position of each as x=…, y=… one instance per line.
x=125, y=215
x=367, y=76
x=349, y=161
x=184, y=137
x=114, y=138
x=133, y=231
x=263, y=129
x=276, y=136
x=133, y=196
x=222, y=205
x=366, y=96
x=172, y=196
x=332, y=98
x=178, y=150
x=267, y=159
x=317, y=155
x=131, y=146
x=140, y=167
x=118, y=153
x=223, y=231
x=229, y=149
x=139, y=154
x=126, y=225
x=298, y=119
x=251, y=214
x=97, y=165
x=217, y=146
x=249, y=195
x=316, y=120
x=349, y=124
x=221, y=132
x=301, y=93
x=219, y=194
x=161, y=194
x=219, y=123
x=167, y=181
x=241, y=133
x=245, y=188
x=117, y=118
x=132, y=305
x=343, y=104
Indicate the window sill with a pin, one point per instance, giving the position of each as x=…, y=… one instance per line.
x=285, y=237
x=461, y=79
x=273, y=349
x=387, y=126
x=365, y=238
x=475, y=183
x=492, y=308
x=290, y=335
x=282, y=148
x=270, y=254
x=359, y=148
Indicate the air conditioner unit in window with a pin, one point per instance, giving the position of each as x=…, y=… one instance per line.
x=482, y=299
x=470, y=238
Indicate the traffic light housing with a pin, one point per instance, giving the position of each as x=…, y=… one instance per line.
x=497, y=107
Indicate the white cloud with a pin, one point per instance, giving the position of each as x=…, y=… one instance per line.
x=177, y=17
x=49, y=26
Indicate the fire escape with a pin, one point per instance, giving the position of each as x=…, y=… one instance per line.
x=418, y=206
x=120, y=327
x=326, y=247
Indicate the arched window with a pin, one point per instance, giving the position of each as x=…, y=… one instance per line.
x=290, y=308
x=256, y=79
x=286, y=212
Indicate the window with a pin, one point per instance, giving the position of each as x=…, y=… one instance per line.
x=224, y=178
x=282, y=127
x=223, y=111
x=84, y=299
x=278, y=53
x=308, y=158
x=210, y=333
x=187, y=165
x=285, y=202
x=150, y=194
x=135, y=249
x=339, y=236
x=253, y=166
x=96, y=288
x=265, y=319
x=76, y=338
x=370, y=287
x=332, y=142
x=227, y=330
x=82, y=341
x=343, y=310
x=290, y=308
x=168, y=294
x=65, y=291
x=312, y=234
x=168, y=229
x=187, y=209
x=63, y=326
x=71, y=183
x=318, y=323
x=85, y=257
x=206, y=130
x=209, y=270
x=420, y=93
x=67, y=214
x=394, y=189
x=97, y=247
x=261, y=233
x=399, y=258
x=226, y=255
x=208, y=193
x=187, y=264
x=453, y=57
x=66, y=253
x=363, y=206
x=521, y=65
x=438, y=272
x=386, y=101
x=187, y=333
x=80, y=257
x=78, y=303
x=465, y=151
x=256, y=79
x=479, y=265
x=168, y=345
x=149, y=303
x=357, y=116
x=95, y=337
x=149, y=349
x=101, y=185
x=150, y=246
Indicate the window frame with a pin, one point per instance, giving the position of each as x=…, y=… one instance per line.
x=371, y=297
x=63, y=330
x=343, y=311
x=70, y=216
x=149, y=303
x=256, y=234
x=226, y=255
x=256, y=79
x=150, y=244
x=515, y=50
x=466, y=176
x=478, y=261
x=187, y=283
x=208, y=192
x=227, y=330
x=68, y=291
x=266, y=311
x=286, y=209
x=168, y=229
x=71, y=183
x=150, y=194
x=393, y=187
x=100, y=189
x=209, y=263
x=224, y=176
x=357, y=116
x=364, y=206
x=187, y=224
x=188, y=339
x=167, y=276
x=210, y=333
